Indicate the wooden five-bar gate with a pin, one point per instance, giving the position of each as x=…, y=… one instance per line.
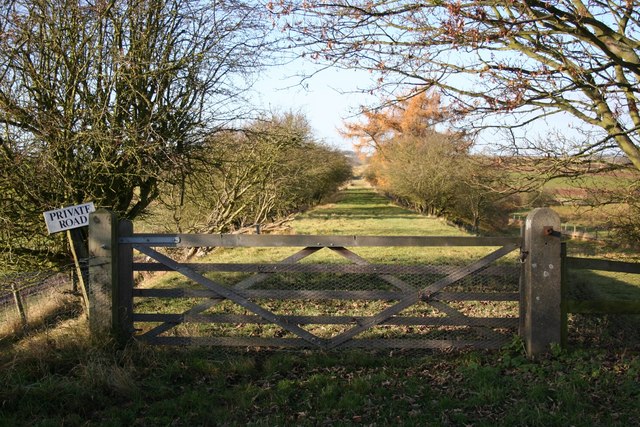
x=295, y=302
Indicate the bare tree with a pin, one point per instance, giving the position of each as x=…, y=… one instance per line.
x=526, y=60
x=259, y=175
x=104, y=99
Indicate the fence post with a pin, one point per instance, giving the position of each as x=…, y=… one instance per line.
x=19, y=306
x=521, y=314
x=541, y=293
x=102, y=271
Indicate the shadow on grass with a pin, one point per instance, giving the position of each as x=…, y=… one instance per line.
x=361, y=196
x=364, y=213
x=361, y=203
x=598, y=329
x=47, y=317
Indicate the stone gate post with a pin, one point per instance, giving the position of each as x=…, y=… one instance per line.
x=541, y=282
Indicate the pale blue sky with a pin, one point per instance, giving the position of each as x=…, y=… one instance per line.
x=326, y=99
x=333, y=95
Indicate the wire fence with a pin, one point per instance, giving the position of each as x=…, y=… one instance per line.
x=336, y=297
x=26, y=297
x=614, y=322
x=603, y=330
x=573, y=231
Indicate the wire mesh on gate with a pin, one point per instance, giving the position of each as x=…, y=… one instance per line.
x=328, y=295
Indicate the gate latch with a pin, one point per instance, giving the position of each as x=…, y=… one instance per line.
x=549, y=231
x=523, y=255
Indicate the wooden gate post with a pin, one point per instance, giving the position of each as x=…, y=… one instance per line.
x=102, y=271
x=541, y=293
x=123, y=286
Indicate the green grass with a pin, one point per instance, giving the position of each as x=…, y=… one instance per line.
x=570, y=194
x=590, y=181
x=61, y=376
x=361, y=211
x=587, y=216
x=75, y=383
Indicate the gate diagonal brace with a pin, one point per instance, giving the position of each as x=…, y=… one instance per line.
x=244, y=284
x=415, y=297
x=229, y=294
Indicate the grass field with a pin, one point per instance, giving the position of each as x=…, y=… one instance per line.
x=60, y=376
x=569, y=197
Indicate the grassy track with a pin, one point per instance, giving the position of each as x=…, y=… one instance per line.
x=358, y=210
x=61, y=377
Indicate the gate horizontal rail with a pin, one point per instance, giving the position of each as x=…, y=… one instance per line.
x=326, y=320
x=286, y=294
x=298, y=343
x=494, y=270
x=262, y=240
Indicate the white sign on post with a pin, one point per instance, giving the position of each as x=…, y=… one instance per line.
x=69, y=217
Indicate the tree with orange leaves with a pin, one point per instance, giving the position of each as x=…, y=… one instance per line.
x=409, y=116
x=428, y=170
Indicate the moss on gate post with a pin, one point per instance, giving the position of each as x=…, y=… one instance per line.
x=542, y=277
